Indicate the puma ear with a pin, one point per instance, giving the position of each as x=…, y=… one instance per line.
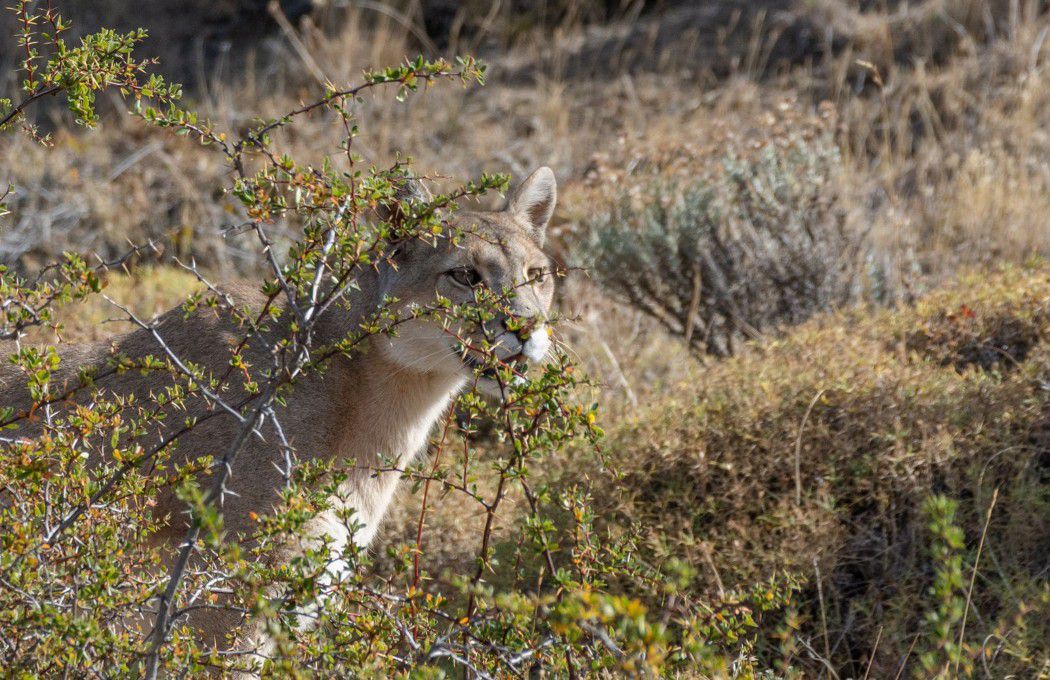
x=407, y=188
x=534, y=201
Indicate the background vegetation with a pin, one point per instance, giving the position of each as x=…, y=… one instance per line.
x=805, y=242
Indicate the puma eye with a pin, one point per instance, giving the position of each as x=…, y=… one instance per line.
x=465, y=276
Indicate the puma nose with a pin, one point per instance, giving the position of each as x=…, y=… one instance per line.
x=521, y=327
x=532, y=335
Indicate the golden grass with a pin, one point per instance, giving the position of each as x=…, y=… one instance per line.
x=147, y=292
x=943, y=152
x=813, y=454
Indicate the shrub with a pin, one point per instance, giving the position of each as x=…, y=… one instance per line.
x=737, y=255
x=839, y=453
x=949, y=591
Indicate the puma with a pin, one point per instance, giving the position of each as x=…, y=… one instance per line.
x=365, y=409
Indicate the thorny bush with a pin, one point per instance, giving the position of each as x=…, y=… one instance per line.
x=83, y=594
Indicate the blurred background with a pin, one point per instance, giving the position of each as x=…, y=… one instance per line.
x=929, y=107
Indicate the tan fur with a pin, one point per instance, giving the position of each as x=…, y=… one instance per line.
x=379, y=404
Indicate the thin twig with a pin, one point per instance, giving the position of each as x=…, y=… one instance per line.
x=798, y=447
x=871, y=659
x=26, y=102
x=907, y=655
x=823, y=613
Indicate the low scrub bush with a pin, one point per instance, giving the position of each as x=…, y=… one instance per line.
x=733, y=256
x=908, y=489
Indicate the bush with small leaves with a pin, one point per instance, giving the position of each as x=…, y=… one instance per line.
x=761, y=244
x=941, y=655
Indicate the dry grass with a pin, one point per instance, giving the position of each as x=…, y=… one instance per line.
x=146, y=291
x=814, y=455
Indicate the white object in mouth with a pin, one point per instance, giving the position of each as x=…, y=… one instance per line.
x=539, y=343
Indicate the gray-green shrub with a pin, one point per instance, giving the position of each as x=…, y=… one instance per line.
x=762, y=243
